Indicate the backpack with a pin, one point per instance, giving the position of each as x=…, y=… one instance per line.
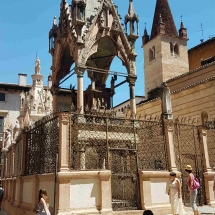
x=196, y=184
x=1, y=192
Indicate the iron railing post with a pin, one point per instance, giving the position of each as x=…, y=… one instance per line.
x=137, y=169
x=107, y=143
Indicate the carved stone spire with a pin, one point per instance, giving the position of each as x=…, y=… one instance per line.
x=145, y=37
x=131, y=17
x=162, y=11
x=182, y=31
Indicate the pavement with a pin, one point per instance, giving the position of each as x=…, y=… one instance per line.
x=204, y=210
x=2, y=212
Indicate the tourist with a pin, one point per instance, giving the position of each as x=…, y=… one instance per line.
x=1, y=194
x=148, y=212
x=43, y=203
x=192, y=189
x=175, y=195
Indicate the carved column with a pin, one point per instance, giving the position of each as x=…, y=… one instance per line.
x=168, y=126
x=168, y=131
x=13, y=159
x=24, y=143
x=208, y=174
x=55, y=90
x=131, y=80
x=6, y=166
x=80, y=91
x=204, y=149
x=63, y=164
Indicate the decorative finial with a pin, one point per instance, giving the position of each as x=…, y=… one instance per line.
x=202, y=40
x=55, y=21
x=145, y=30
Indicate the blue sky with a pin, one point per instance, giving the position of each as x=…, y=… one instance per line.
x=24, y=27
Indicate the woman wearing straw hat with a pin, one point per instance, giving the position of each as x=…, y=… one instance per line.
x=192, y=189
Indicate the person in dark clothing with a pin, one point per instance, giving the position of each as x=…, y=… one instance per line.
x=1, y=194
x=148, y=212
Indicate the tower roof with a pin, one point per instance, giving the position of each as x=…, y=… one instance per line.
x=163, y=10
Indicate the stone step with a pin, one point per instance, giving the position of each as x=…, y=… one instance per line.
x=131, y=212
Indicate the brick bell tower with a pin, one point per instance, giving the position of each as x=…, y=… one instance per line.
x=165, y=51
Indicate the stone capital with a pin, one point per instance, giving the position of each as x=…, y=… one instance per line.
x=64, y=118
x=80, y=71
x=168, y=119
x=131, y=80
x=203, y=130
x=55, y=89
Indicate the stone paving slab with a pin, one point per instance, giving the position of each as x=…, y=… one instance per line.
x=2, y=212
x=203, y=210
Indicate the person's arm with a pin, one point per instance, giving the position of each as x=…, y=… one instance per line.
x=191, y=182
x=44, y=206
x=179, y=188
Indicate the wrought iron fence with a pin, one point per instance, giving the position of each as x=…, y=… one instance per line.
x=103, y=141
x=211, y=142
x=17, y=156
x=188, y=152
x=42, y=146
x=151, y=146
x=88, y=139
x=92, y=137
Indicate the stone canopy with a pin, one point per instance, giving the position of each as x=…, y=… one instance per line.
x=89, y=34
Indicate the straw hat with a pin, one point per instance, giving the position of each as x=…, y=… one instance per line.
x=188, y=167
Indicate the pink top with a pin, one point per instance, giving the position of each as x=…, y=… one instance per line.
x=189, y=181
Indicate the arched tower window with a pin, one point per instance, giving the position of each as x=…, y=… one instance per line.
x=152, y=53
x=176, y=49
x=171, y=48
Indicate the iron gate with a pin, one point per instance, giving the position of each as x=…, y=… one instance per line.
x=188, y=152
x=124, y=179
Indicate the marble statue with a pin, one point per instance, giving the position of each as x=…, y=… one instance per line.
x=16, y=130
x=37, y=66
x=7, y=142
x=166, y=100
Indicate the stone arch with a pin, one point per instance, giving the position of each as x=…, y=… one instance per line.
x=176, y=49
x=63, y=62
x=104, y=49
x=171, y=48
x=152, y=53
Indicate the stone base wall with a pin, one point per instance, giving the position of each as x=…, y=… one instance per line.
x=154, y=187
x=21, y=193
x=83, y=192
